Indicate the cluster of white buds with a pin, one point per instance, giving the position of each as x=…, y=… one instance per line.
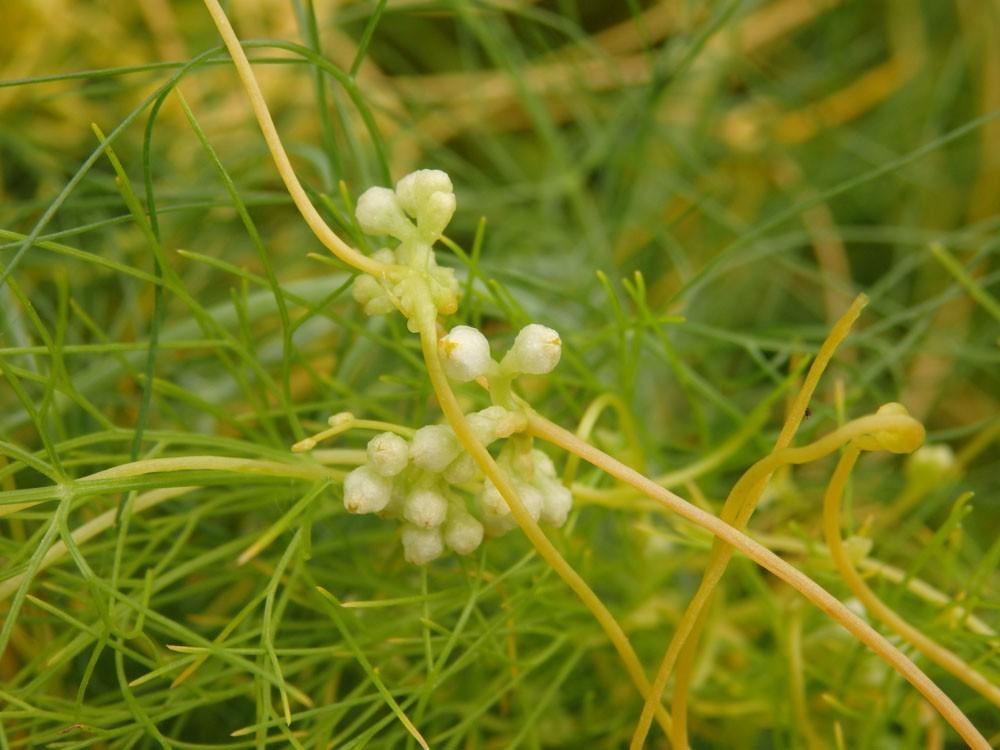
x=434, y=488
x=429, y=482
x=416, y=214
x=534, y=477
x=465, y=353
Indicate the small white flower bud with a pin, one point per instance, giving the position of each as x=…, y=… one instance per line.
x=511, y=422
x=444, y=290
x=365, y=491
x=388, y=454
x=395, y=507
x=425, y=508
x=557, y=502
x=435, y=215
x=543, y=464
x=416, y=188
x=365, y=289
x=465, y=353
x=494, y=504
x=536, y=351
x=531, y=498
x=521, y=465
x=461, y=470
x=421, y=546
x=378, y=212
x=371, y=295
x=379, y=306
x=492, y=501
x=416, y=254
x=434, y=447
x=486, y=424
x=463, y=533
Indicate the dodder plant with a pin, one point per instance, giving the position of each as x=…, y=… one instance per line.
x=481, y=473
x=409, y=280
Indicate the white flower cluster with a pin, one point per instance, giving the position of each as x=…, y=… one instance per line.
x=415, y=213
x=433, y=487
x=465, y=353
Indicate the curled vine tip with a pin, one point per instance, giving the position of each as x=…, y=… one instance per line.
x=899, y=436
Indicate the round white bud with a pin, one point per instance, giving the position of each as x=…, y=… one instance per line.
x=531, y=498
x=435, y=215
x=388, y=454
x=536, y=351
x=434, y=447
x=365, y=491
x=543, y=464
x=463, y=533
x=378, y=212
x=444, y=290
x=485, y=424
x=495, y=504
x=461, y=470
x=416, y=188
x=425, y=508
x=557, y=502
x=421, y=546
x=366, y=288
x=465, y=353
x=379, y=306
x=416, y=254
x=492, y=501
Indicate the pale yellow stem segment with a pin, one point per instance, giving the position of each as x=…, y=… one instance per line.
x=320, y=228
x=211, y=463
x=456, y=419
x=909, y=434
x=941, y=656
x=553, y=433
x=737, y=511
